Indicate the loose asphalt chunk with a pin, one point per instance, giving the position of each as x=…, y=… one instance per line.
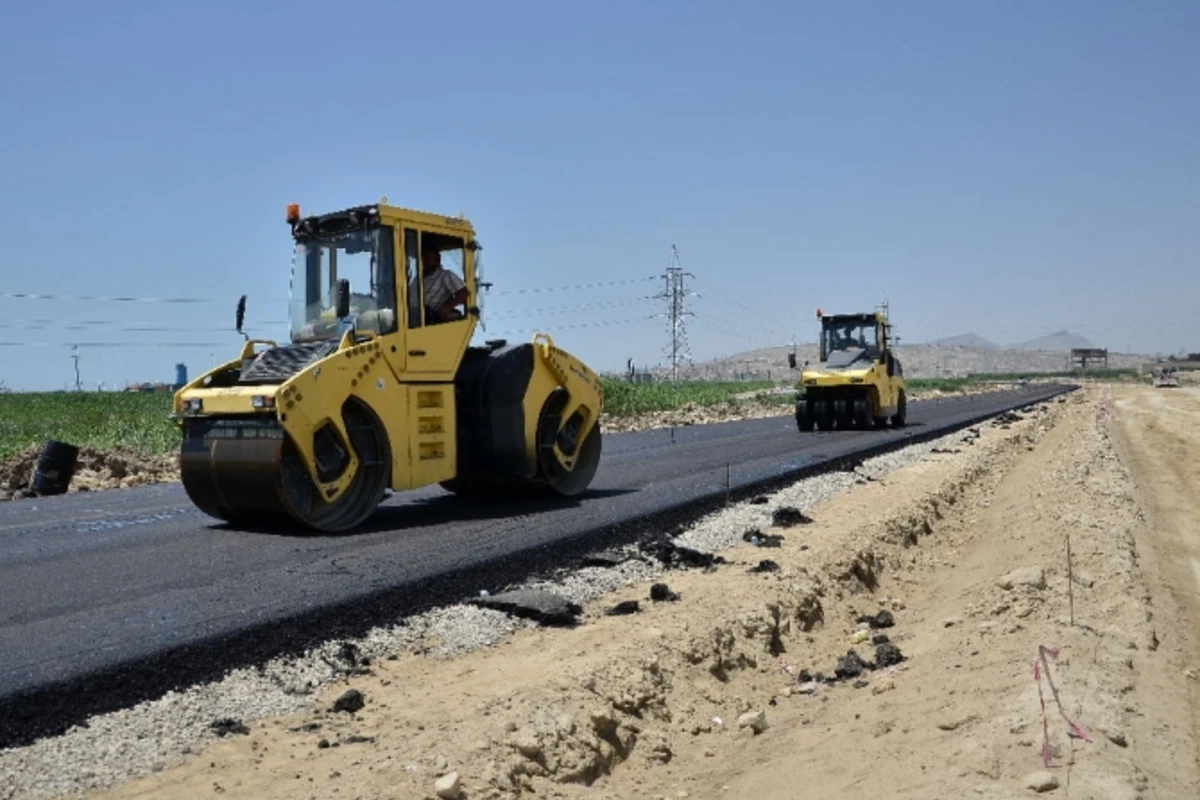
x=660, y=547
x=850, y=666
x=606, y=558
x=883, y=619
x=542, y=607
x=887, y=655
x=661, y=593
x=228, y=726
x=624, y=607
x=788, y=517
x=759, y=539
x=350, y=701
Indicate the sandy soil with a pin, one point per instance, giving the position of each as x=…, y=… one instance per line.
x=736, y=690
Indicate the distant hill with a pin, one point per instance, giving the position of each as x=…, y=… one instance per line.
x=1059, y=342
x=967, y=340
x=1062, y=341
x=1045, y=354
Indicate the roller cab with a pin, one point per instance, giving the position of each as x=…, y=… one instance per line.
x=380, y=388
x=859, y=382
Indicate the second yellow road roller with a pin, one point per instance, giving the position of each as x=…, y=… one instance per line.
x=380, y=387
x=859, y=382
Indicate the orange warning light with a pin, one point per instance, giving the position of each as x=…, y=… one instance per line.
x=293, y=212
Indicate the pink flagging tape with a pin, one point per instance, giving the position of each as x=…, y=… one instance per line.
x=1040, y=665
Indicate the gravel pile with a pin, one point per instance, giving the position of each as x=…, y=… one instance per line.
x=589, y=583
x=156, y=734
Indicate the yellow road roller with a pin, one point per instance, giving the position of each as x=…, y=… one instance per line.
x=859, y=382
x=380, y=387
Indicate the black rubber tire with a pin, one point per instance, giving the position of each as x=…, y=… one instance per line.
x=804, y=415
x=841, y=414
x=823, y=414
x=586, y=465
x=900, y=418
x=587, y=461
x=368, y=486
x=862, y=412
x=550, y=478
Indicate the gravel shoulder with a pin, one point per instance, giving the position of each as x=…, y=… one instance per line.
x=740, y=683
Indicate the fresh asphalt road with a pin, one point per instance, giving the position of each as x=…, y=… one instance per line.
x=90, y=581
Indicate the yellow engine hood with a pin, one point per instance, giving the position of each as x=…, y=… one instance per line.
x=817, y=377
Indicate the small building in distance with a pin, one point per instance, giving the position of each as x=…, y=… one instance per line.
x=150, y=388
x=1084, y=358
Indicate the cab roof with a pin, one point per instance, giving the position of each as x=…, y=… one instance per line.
x=366, y=216
x=839, y=319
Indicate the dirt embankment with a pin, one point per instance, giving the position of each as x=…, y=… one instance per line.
x=95, y=470
x=884, y=648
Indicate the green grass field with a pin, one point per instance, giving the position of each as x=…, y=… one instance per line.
x=623, y=399
x=139, y=421
x=98, y=419
x=105, y=419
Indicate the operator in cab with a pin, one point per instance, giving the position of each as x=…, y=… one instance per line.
x=444, y=291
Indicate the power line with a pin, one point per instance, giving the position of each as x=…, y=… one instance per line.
x=555, y=310
x=117, y=344
x=599, y=324
x=149, y=327
x=115, y=325
x=97, y=298
x=727, y=299
x=677, y=349
x=725, y=316
x=196, y=300
x=543, y=328
x=573, y=286
x=103, y=327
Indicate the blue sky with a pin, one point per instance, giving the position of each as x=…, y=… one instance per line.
x=1004, y=168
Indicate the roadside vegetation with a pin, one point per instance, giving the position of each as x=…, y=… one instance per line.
x=624, y=399
x=968, y=381
x=102, y=420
